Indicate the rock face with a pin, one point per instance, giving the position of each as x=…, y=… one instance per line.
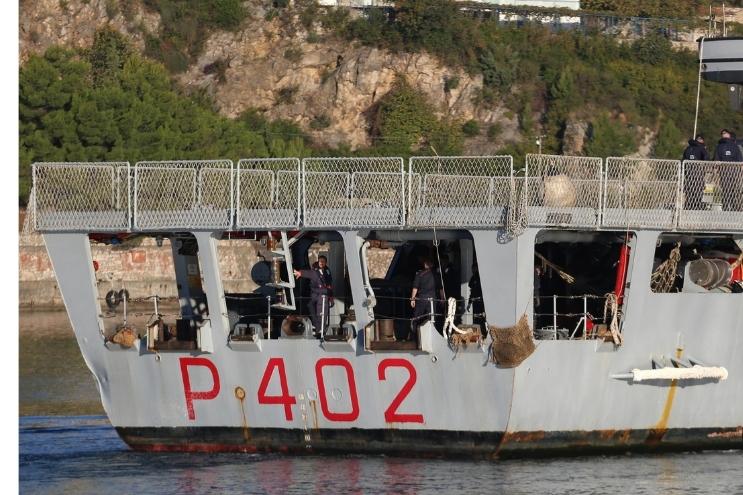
x=277, y=67
x=43, y=23
x=287, y=77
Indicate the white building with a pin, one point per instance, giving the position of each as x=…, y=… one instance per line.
x=565, y=4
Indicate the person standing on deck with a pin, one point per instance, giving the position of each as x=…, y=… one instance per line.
x=694, y=174
x=730, y=176
x=424, y=288
x=321, y=293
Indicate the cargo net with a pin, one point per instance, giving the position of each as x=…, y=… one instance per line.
x=460, y=191
x=80, y=196
x=641, y=192
x=267, y=193
x=183, y=195
x=563, y=190
x=511, y=345
x=712, y=196
x=353, y=192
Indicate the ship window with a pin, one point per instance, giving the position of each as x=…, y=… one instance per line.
x=698, y=263
x=575, y=272
x=393, y=260
x=150, y=285
x=258, y=275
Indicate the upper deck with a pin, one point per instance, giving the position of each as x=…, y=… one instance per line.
x=386, y=193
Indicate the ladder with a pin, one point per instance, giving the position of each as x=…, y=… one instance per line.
x=287, y=301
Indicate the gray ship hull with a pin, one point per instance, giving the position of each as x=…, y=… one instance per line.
x=310, y=396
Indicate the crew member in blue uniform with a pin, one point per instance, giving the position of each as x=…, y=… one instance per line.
x=321, y=284
x=694, y=174
x=425, y=287
x=730, y=177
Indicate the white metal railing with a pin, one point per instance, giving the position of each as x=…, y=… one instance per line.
x=712, y=195
x=641, y=192
x=268, y=193
x=459, y=191
x=353, y=192
x=186, y=194
x=376, y=192
x=563, y=190
x=90, y=196
x=580, y=324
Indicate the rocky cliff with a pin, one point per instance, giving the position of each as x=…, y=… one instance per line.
x=277, y=67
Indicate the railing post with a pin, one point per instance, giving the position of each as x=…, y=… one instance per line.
x=322, y=317
x=554, y=315
x=585, y=316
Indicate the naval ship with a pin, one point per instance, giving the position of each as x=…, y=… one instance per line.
x=583, y=305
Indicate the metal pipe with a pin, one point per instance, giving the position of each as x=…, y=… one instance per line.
x=322, y=317
x=585, y=317
x=554, y=315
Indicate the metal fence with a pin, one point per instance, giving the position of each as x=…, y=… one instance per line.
x=347, y=193
x=353, y=192
x=459, y=191
x=712, y=196
x=563, y=190
x=268, y=193
x=81, y=196
x=195, y=194
x=641, y=192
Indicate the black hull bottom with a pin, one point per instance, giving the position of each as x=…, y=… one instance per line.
x=427, y=443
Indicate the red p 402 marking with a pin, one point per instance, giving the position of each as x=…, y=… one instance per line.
x=287, y=400
x=191, y=396
x=336, y=416
x=391, y=415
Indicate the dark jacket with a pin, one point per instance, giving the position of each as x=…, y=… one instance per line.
x=695, y=151
x=321, y=281
x=728, y=151
x=426, y=283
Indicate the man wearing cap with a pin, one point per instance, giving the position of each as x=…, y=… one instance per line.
x=694, y=173
x=730, y=175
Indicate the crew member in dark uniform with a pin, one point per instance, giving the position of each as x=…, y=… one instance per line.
x=424, y=288
x=321, y=284
x=730, y=176
x=694, y=174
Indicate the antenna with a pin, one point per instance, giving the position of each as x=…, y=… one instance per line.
x=699, y=85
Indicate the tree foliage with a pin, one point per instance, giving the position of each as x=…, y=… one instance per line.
x=128, y=111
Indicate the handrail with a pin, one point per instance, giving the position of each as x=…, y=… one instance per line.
x=376, y=192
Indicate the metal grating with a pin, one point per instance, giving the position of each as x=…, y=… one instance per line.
x=193, y=194
x=353, y=192
x=641, y=192
x=563, y=190
x=267, y=193
x=459, y=191
x=712, y=196
x=81, y=196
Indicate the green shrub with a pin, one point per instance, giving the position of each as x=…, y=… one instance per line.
x=451, y=83
x=320, y=122
x=609, y=138
x=471, y=128
x=494, y=130
x=286, y=95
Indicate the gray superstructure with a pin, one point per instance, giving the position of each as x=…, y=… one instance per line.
x=350, y=391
